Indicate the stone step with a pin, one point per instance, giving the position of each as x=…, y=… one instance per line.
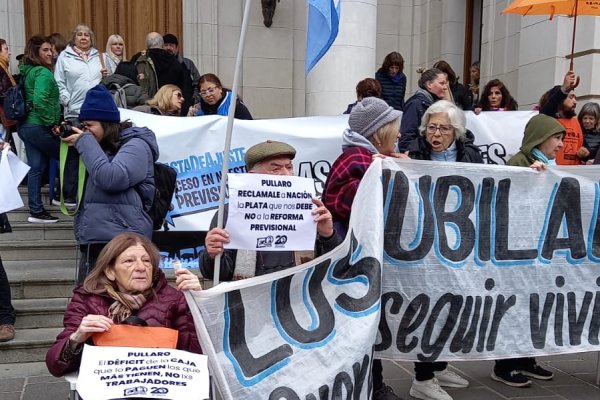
x=29, y=345
x=21, y=215
x=41, y=279
x=40, y=313
x=61, y=230
x=38, y=250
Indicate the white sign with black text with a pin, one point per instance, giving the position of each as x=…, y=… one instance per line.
x=138, y=372
x=270, y=213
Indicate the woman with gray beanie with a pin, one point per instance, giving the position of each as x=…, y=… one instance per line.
x=374, y=131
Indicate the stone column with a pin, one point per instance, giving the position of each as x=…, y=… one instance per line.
x=331, y=84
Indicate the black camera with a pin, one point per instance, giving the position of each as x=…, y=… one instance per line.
x=66, y=129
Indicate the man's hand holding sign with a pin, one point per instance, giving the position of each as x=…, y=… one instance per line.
x=273, y=214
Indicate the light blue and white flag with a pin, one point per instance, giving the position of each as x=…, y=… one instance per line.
x=322, y=29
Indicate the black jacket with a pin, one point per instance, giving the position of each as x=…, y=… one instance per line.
x=392, y=92
x=414, y=108
x=170, y=70
x=466, y=151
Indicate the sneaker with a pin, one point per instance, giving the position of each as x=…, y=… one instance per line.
x=69, y=203
x=7, y=332
x=428, y=390
x=448, y=378
x=512, y=378
x=42, y=218
x=385, y=393
x=537, y=372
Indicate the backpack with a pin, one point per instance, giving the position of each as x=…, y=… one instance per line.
x=146, y=74
x=15, y=105
x=124, y=91
x=118, y=94
x=165, y=178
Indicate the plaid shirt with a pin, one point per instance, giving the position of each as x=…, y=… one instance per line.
x=343, y=181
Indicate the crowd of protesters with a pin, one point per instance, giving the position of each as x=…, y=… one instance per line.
x=68, y=87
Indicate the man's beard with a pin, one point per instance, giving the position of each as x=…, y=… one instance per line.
x=568, y=113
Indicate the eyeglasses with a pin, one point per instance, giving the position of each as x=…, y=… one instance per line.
x=208, y=91
x=179, y=95
x=444, y=129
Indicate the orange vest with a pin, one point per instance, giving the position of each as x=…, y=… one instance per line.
x=572, y=141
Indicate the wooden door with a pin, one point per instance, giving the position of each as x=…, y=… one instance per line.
x=132, y=19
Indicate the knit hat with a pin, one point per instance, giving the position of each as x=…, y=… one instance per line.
x=99, y=106
x=170, y=38
x=265, y=150
x=370, y=114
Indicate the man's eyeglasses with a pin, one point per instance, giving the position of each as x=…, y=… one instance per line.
x=208, y=91
x=444, y=129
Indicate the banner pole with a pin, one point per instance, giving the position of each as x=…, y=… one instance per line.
x=230, y=114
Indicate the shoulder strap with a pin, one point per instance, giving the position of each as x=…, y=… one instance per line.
x=102, y=60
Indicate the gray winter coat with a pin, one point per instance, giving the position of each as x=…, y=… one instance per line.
x=119, y=187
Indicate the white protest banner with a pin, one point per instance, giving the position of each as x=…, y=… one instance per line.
x=194, y=147
x=121, y=372
x=270, y=213
x=488, y=262
x=302, y=333
x=12, y=172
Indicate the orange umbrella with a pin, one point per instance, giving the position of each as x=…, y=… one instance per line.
x=571, y=8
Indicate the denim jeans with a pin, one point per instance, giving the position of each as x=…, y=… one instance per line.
x=7, y=312
x=41, y=145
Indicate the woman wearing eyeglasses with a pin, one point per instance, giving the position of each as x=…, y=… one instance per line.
x=215, y=100
x=443, y=137
x=167, y=101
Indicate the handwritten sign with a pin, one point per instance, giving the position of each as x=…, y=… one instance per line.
x=121, y=372
x=270, y=213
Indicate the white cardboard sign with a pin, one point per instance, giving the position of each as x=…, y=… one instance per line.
x=270, y=213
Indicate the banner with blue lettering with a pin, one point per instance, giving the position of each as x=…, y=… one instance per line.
x=479, y=262
x=488, y=262
x=194, y=147
x=303, y=333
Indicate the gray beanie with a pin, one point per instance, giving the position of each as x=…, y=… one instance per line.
x=370, y=114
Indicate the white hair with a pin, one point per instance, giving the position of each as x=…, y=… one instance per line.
x=154, y=40
x=455, y=115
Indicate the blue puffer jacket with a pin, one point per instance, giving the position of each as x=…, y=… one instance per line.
x=119, y=187
x=414, y=108
x=392, y=91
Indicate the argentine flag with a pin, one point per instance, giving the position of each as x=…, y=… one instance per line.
x=322, y=29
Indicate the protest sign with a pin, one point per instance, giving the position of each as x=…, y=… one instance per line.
x=121, y=372
x=302, y=333
x=488, y=262
x=12, y=172
x=270, y=213
x=194, y=147
x=479, y=262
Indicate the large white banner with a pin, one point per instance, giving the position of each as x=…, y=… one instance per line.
x=479, y=262
x=303, y=333
x=194, y=146
x=488, y=262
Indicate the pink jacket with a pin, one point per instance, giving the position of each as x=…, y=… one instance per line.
x=168, y=309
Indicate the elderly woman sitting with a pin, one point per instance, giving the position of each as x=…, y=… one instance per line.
x=125, y=282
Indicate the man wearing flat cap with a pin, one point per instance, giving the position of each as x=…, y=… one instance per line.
x=273, y=158
x=171, y=44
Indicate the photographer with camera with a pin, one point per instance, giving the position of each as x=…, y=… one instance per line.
x=119, y=190
x=41, y=93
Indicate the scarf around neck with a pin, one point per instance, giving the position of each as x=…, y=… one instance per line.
x=125, y=304
x=449, y=154
x=539, y=156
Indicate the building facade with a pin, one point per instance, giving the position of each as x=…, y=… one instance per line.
x=528, y=53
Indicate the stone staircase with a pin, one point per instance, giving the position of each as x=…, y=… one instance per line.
x=40, y=263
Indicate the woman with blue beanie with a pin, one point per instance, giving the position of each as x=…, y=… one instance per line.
x=119, y=159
